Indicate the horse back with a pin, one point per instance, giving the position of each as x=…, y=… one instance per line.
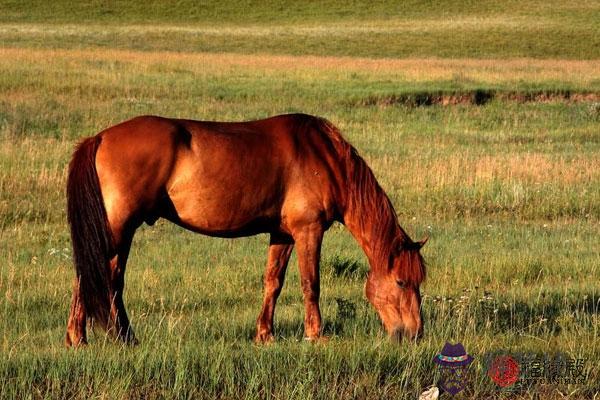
x=223, y=179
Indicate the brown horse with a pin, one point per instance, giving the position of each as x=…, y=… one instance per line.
x=290, y=176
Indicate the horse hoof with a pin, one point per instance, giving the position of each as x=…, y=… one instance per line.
x=129, y=340
x=316, y=339
x=70, y=343
x=264, y=338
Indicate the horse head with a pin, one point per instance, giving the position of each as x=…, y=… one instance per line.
x=394, y=291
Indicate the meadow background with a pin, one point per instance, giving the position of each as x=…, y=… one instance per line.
x=481, y=120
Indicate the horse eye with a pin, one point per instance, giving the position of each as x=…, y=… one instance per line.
x=401, y=284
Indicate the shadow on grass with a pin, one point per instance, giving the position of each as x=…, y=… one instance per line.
x=349, y=319
x=550, y=314
x=343, y=267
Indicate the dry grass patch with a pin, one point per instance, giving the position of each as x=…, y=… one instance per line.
x=579, y=72
x=456, y=170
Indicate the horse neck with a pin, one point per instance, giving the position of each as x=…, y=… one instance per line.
x=370, y=217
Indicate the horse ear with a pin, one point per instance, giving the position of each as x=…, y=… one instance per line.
x=396, y=246
x=422, y=242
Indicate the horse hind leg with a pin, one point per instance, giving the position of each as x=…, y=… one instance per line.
x=124, y=218
x=119, y=324
x=76, y=333
x=119, y=321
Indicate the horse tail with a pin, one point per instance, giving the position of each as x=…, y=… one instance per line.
x=91, y=236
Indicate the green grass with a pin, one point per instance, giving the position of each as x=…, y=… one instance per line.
x=508, y=191
x=391, y=29
x=277, y=11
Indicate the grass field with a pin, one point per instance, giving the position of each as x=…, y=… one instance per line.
x=481, y=122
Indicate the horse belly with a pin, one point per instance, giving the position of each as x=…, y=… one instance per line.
x=227, y=215
x=220, y=199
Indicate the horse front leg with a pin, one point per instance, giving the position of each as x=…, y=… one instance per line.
x=280, y=249
x=308, y=247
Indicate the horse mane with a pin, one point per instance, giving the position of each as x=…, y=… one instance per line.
x=373, y=213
